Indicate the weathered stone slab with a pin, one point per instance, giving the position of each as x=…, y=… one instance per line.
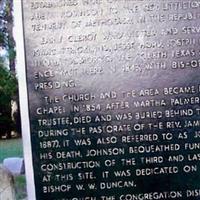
x=7, y=191
x=15, y=165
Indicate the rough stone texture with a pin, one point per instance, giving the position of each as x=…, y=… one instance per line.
x=7, y=191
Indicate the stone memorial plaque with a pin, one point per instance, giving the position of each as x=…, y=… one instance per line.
x=113, y=98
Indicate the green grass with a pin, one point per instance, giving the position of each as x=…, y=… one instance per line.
x=13, y=148
x=20, y=187
x=10, y=148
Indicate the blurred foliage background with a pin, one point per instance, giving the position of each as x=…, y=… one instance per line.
x=9, y=99
x=10, y=125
